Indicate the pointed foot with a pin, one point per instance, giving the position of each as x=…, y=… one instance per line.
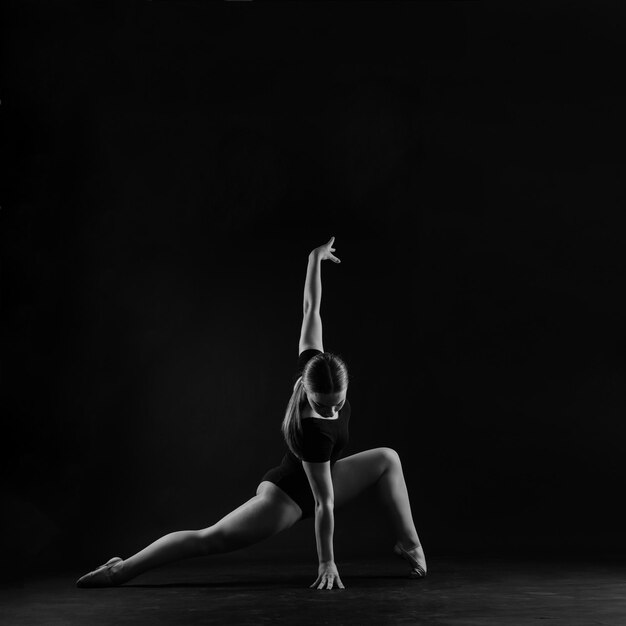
x=102, y=576
x=415, y=557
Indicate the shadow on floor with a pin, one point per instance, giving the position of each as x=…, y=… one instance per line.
x=378, y=591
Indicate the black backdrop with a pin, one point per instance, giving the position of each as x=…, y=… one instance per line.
x=168, y=167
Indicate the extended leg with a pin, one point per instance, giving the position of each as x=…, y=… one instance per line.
x=264, y=515
x=181, y=544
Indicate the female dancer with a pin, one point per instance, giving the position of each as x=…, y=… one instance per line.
x=311, y=480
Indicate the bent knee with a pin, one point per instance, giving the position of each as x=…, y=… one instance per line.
x=390, y=456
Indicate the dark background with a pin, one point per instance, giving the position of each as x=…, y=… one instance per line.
x=168, y=167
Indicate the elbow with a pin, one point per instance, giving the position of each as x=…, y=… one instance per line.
x=310, y=307
x=328, y=504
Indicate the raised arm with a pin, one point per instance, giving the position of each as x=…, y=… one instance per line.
x=311, y=331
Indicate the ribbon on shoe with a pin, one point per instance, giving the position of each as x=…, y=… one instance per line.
x=417, y=571
x=100, y=577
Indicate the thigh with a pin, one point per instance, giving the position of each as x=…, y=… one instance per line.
x=267, y=513
x=354, y=474
x=290, y=508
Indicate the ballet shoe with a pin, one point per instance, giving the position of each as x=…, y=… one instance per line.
x=100, y=577
x=417, y=570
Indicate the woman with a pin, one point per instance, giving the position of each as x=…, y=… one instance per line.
x=311, y=480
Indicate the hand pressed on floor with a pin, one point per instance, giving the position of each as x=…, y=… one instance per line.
x=327, y=575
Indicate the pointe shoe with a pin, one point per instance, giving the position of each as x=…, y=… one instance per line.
x=417, y=571
x=101, y=576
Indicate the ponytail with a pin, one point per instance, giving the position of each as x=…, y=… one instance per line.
x=292, y=422
x=324, y=373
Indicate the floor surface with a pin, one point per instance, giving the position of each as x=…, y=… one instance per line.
x=221, y=590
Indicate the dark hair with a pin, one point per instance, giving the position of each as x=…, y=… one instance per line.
x=323, y=373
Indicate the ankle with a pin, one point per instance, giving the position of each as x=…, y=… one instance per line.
x=118, y=576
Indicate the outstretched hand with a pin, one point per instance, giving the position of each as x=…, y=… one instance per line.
x=326, y=251
x=327, y=574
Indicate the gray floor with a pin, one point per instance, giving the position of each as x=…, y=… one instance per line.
x=222, y=590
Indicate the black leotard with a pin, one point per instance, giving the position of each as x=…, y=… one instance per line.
x=322, y=440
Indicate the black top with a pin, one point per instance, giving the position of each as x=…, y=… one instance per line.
x=322, y=439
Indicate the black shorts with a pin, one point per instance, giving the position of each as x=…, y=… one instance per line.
x=296, y=485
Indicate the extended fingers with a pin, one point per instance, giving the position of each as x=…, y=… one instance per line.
x=331, y=249
x=334, y=578
x=327, y=582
